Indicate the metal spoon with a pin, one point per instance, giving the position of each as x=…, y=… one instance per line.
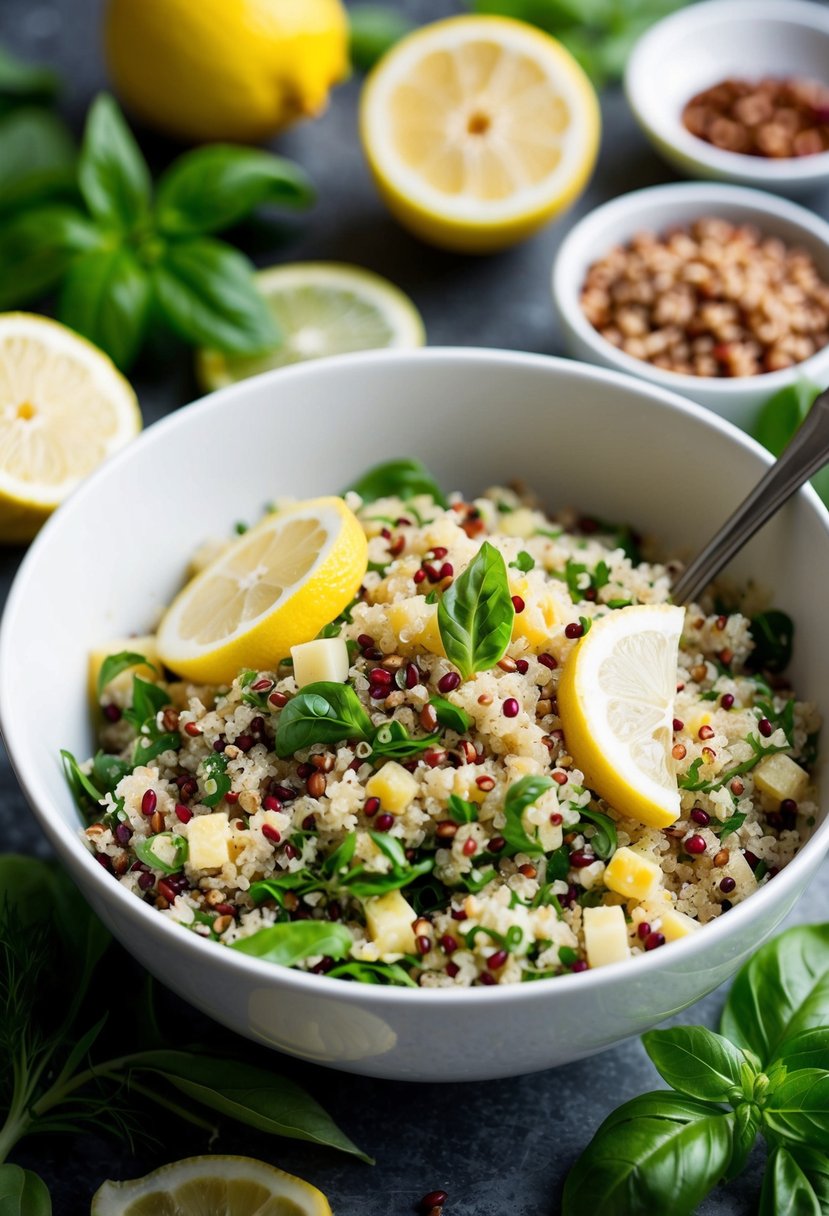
x=806, y=453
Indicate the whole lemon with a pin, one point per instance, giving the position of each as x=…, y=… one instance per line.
x=237, y=70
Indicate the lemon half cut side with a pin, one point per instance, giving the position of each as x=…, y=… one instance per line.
x=273, y=588
x=616, y=698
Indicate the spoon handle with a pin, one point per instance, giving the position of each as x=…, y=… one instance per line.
x=805, y=455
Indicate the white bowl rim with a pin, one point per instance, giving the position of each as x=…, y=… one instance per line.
x=589, y=228
x=668, y=129
x=155, y=927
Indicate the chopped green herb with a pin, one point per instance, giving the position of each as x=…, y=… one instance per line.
x=520, y=795
x=523, y=562
x=146, y=851
x=214, y=779
x=451, y=716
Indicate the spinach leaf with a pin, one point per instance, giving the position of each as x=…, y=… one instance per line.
x=798, y=1108
x=114, y=664
x=806, y=1049
x=214, y=779
x=476, y=613
x=373, y=973
x=658, y=1153
x=392, y=741
x=373, y=30
x=23, y=1193
x=108, y=770
x=773, y=636
x=783, y=990
x=83, y=791
x=324, y=712
x=342, y=856
x=451, y=716
x=145, y=850
x=786, y=1189
x=112, y=174
x=404, y=478
x=732, y=824
x=696, y=1061
x=604, y=840
x=293, y=941
x=251, y=1095
x=147, y=700
x=520, y=795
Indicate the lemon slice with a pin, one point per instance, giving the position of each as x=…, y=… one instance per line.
x=63, y=409
x=616, y=698
x=478, y=130
x=273, y=588
x=321, y=308
x=210, y=1186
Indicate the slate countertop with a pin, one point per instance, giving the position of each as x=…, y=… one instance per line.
x=499, y=1147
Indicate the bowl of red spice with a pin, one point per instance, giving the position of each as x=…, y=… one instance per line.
x=738, y=91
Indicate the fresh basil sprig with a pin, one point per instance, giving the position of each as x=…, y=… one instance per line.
x=451, y=716
x=324, y=712
x=123, y=256
x=665, y=1151
x=520, y=795
x=476, y=614
x=404, y=478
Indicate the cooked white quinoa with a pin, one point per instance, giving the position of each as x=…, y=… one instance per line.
x=485, y=917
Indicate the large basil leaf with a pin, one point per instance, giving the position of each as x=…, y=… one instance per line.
x=403, y=478
x=798, y=1108
x=293, y=941
x=696, y=1061
x=112, y=173
x=782, y=991
x=207, y=294
x=323, y=712
x=815, y=1165
x=254, y=1096
x=36, y=247
x=786, y=1189
x=476, y=613
x=807, y=1049
x=658, y=1153
x=38, y=156
x=106, y=297
x=520, y=795
x=213, y=187
x=22, y=1193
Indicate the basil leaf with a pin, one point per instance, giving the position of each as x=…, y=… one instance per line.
x=251, y=1095
x=696, y=1061
x=341, y=857
x=808, y=1049
x=83, y=791
x=109, y=770
x=773, y=636
x=145, y=851
x=451, y=716
x=373, y=973
x=404, y=478
x=523, y=562
x=38, y=156
x=373, y=30
x=476, y=613
x=301, y=882
x=114, y=664
x=781, y=416
x=798, y=1108
x=658, y=1153
x=19, y=79
x=520, y=795
x=604, y=840
x=152, y=742
x=213, y=187
x=293, y=941
x=106, y=297
x=37, y=247
x=147, y=700
x=215, y=782
x=558, y=864
x=462, y=811
x=112, y=174
x=207, y=294
x=783, y=990
x=815, y=1165
x=746, y=1127
x=732, y=824
x=392, y=740
x=786, y=1189
x=23, y=1193
x=323, y=712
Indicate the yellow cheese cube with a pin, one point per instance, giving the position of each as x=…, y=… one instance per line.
x=520, y=522
x=631, y=874
x=208, y=837
x=393, y=785
x=389, y=919
x=322, y=659
x=144, y=645
x=464, y=785
x=605, y=936
x=676, y=925
x=779, y=777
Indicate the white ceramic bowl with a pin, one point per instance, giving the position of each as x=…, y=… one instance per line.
x=706, y=43
x=657, y=209
x=115, y=552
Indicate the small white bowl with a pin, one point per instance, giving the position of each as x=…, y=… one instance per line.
x=657, y=209
x=704, y=44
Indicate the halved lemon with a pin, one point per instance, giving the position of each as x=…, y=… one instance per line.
x=320, y=308
x=272, y=589
x=63, y=409
x=616, y=698
x=208, y=1186
x=478, y=130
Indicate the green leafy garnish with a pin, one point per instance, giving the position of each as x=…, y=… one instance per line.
x=781, y=416
x=291, y=942
x=146, y=851
x=108, y=770
x=451, y=716
x=523, y=562
x=520, y=795
x=85, y=794
x=392, y=741
x=215, y=782
x=732, y=824
x=373, y=973
x=114, y=664
x=373, y=30
x=404, y=478
x=773, y=636
x=324, y=712
x=692, y=780
x=462, y=811
x=603, y=840
x=476, y=613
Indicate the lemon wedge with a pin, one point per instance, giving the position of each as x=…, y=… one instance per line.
x=273, y=588
x=200, y=1185
x=478, y=130
x=616, y=698
x=320, y=308
x=63, y=409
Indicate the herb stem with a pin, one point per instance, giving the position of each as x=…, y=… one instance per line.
x=175, y=1108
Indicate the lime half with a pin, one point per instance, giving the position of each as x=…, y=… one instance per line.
x=321, y=308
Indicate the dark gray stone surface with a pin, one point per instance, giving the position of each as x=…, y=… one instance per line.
x=499, y=1147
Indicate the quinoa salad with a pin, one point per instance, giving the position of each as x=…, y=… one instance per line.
x=405, y=821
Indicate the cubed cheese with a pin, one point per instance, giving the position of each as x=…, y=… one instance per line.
x=520, y=522
x=144, y=645
x=393, y=785
x=631, y=874
x=779, y=777
x=208, y=837
x=539, y=616
x=676, y=925
x=389, y=919
x=605, y=936
x=322, y=659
